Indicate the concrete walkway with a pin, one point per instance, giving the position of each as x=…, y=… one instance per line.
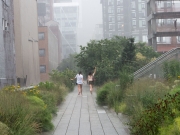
x=80, y=115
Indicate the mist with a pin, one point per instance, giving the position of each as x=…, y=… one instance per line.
x=90, y=14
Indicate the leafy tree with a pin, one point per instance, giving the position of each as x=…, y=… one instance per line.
x=128, y=54
x=146, y=50
x=105, y=55
x=144, y=54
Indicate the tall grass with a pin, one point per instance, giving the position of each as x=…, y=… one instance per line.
x=16, y=113
x=142, y=94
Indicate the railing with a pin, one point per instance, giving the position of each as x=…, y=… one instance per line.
x=142, y=71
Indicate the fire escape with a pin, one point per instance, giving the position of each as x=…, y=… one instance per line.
x=168, y=10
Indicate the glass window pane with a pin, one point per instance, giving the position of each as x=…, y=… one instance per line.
x=42, y=69
x=41, y=52
x=41, y=35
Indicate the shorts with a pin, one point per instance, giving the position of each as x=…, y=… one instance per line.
x=90, y=82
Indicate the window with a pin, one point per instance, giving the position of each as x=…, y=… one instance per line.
x=111, y=10
x=143, y=6
x=119, y=2
x=110, y=2
x=133, y=15
x=42, y=68
x=133, y=4
x=143, y=23
x=142, y=14
x=120, y=27
x=111, y=26
x=178, y=39
x=4, y=24
x=41, y=35
x=144, y=39
x=169, y=4
x=41, y=52
x=111, y=19
x=118, y=10
x=134, y=22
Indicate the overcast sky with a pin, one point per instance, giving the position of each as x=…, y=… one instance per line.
x=90, y=15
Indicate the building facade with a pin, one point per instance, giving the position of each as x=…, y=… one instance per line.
x=45, y=11
x=26, y=42
x=67, y=15
x=7, y=53
x=48, y=52
x=124, y=18
x=163, y=24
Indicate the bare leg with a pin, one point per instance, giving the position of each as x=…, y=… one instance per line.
x=79, y=89
x=91, y=88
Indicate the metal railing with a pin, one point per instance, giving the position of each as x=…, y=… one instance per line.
x=142, y=71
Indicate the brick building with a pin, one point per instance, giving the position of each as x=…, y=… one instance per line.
x=48, y=52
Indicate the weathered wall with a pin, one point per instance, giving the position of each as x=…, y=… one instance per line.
x=26, y=37
x=2, y=50
x=7, y=52
x=53, y=50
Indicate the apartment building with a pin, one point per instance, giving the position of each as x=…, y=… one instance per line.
x=125, y=18
x=67, y=15
x=7, y=53
x=48, y=52
x=163, y=24
x=26, y=42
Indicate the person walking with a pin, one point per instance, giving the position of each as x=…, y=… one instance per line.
x=79, y=82
x=91, y=79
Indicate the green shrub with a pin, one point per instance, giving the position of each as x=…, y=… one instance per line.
x=151, y=119
x=4, y=129
x=63, y=78
x=103, y=92
x=171, y=70
x=16, y=113
x=43, y=115
x=46, y=85
x=172, y=129
x=122, y=107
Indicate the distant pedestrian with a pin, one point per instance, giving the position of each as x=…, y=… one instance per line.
x=175, y=24
x=91, y=79
x=79, y=82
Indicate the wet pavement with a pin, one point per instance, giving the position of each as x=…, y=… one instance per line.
x=80, y=115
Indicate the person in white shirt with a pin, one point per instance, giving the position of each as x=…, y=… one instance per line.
x=91, y=79
x=79, y=81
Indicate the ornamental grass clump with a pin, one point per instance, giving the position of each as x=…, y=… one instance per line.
x=16, y=113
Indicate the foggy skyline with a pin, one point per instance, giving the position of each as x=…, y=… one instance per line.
x=90, y=15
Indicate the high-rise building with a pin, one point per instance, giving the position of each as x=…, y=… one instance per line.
x=163, y=24
x=67, y=15
x=125, y=18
